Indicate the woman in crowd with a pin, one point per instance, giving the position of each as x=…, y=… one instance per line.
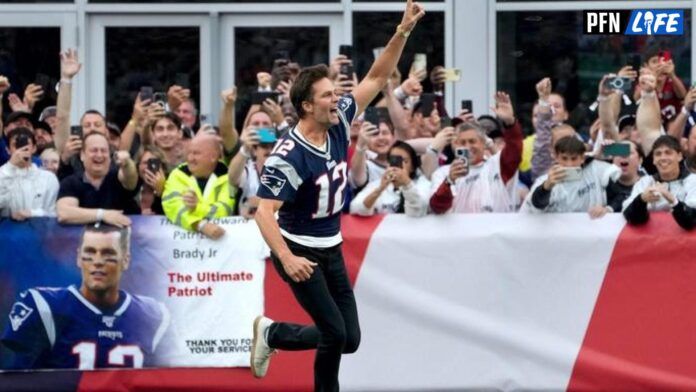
x=401, y=189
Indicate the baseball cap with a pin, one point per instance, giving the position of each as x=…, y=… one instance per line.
x=15, y=116
x=49, y=111
x=492, y=126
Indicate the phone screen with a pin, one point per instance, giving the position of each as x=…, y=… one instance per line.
x=427, y=104
x=616, y=150
x=257, y=98
x=372, y=115
x=396, y=161
x=468, y=105
x=146, y=93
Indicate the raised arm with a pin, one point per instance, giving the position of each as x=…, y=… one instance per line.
x=227, y=129
x=69, y=67
x=676, y=127
x=608, y=113
x=383, y=66
x=127, y=172
x=648, y=117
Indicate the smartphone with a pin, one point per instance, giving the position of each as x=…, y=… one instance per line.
x=462, y=153
x=452, y=75
x=427, y=104
x=396, y=161
x=420, y=62
x=76, y=130
x=378, y=52
x=346, y=50
x=182, y=80
x=154, y=165
x=468, y=105
x=636, y=62
x=445, y=122
x=618, y=83
x=347, y=69
x=616, y=150
x=666, y=55
x=572, y=174
x=44, y=81
x=372, y=115
x=146, y=93
x=258, y=97
x=267, y=135
x=160, y=99
x=21, y=141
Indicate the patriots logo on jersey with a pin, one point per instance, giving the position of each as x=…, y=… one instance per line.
x=345, y=103
x=19, y=314
x=273, y=183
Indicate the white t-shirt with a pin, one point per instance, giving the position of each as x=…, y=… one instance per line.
x=416, y=198
x=482, y=190
x=683, y=189
x=580, y=195
x=31, y=189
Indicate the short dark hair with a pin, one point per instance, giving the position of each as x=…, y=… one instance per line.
x=569, y=145
x=171, y=116
x=415, y=160
x=92, y=111
x=21, y=131
x=106, y=228
x=666, y=141
x=90, y=134
x=651, y=51
x=302, y=90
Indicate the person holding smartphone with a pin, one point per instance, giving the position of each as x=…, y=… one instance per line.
x=670, y=88
x=473, y=183
x=671, y=189
x=25, y=190
x=369, y=161
x=573, y=184
x=402, y=188
x=153, y=172
x=246, y=166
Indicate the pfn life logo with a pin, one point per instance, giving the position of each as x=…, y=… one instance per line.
x=635, y=22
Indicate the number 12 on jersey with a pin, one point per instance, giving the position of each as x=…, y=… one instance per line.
x=328, y=205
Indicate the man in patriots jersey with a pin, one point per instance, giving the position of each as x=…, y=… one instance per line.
x=304, y=180
x=94, y=325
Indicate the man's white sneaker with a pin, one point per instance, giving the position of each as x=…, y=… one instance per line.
x=260, y=351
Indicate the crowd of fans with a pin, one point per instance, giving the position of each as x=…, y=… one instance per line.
x=408, y=155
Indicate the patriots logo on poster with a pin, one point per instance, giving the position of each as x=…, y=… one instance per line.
x=275, y=184
x=345, y=103
x=19, y=314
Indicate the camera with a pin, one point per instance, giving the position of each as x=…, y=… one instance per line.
x=463, y=154
x=618, y=83
x=161, y=99
x=154, y=165
x=396, y=161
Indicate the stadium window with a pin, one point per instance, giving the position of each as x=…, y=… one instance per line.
x=374, y=29
x=534, y=44
x=148, y=56
x=27, y=55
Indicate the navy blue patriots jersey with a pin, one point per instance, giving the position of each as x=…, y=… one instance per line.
x=57, y=328
x=311, y=181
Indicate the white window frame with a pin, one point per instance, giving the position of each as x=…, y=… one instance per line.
x=96, y=44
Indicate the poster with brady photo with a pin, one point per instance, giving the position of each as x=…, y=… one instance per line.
x=183, y=300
